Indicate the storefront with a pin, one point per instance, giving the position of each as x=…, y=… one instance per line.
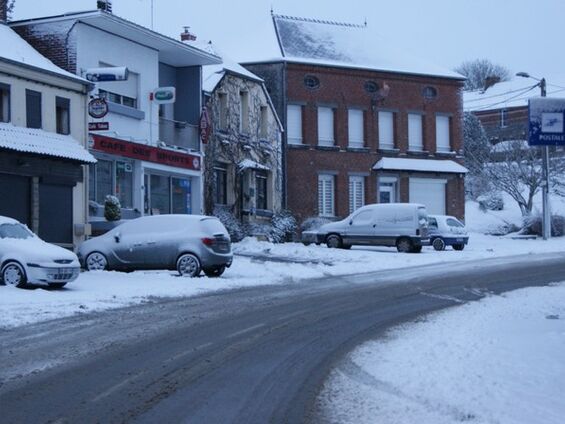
x=147, y=180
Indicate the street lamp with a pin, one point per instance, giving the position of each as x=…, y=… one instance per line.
x=545, y=158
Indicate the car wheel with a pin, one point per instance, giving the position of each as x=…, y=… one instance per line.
x=416, y=249
x=13, y=275
x=404, y=245
x=458, y=246
x=346, y=246
x=333, y=241
x=306, y=243
x=57, y=285
x=214, y=272
x=96, y=261
x=438, y=244
x=189, y=265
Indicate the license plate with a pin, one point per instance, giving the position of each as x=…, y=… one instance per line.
x=459, y=240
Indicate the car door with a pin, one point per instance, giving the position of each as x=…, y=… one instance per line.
x=128, y=242
x=361, y=228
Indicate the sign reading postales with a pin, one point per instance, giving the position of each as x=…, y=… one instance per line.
x=547, y=122
x=97, y=108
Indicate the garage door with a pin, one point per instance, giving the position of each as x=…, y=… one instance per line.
x=429, y=192
x=15, y=195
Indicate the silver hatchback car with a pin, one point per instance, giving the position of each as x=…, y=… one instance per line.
x=188, y=243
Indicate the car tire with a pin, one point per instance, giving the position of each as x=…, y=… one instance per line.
x=13, y=274
x=188, y=265
x=404, y=245
x=333, y=241
x=57, y=285
x=306, y=243
x=417, y=249
x=346, y=246
x=214, y=272
x=438, y=244
x=458, y=246
x=95, y=261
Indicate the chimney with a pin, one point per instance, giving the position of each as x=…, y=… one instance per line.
x=105, y=5
x=186, y=35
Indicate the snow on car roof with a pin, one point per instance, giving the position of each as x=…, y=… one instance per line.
x=7, y=220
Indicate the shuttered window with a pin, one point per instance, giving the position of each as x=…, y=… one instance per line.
x=356, y=133
x=326, y=195
x=33, y=109
x=325, y=126
x=415, y=138
x=294, y=124
x=386, y=130
x=443, y=143
x=356, y=193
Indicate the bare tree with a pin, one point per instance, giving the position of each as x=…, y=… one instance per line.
x=482, y=73
x=8, y=5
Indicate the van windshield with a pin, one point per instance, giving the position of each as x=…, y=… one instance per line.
x=422, y=216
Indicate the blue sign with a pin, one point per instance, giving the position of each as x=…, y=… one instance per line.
x=547, y=122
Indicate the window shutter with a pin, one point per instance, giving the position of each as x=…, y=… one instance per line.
x=442, y=134
x=356, y=133
x=386, y=130
x=415, y=140
x=356, y=193
x=325, y=126
x=294, y=124
x=326, y=195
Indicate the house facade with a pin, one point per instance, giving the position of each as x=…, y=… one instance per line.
x=148, y=151
x=361, y=129
x=243, y=155
x=43, y=143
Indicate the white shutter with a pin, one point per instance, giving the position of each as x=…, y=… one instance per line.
x=326, y=195
x=429, y=192
x=356, y=133
x=415, y=140
x=356, y=193
x=325, y=126
x=294, y=124
x=442, y=134
x=386, y=130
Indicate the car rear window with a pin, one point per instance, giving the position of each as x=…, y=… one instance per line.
x=213, y=226
x=432, y=222
x=14, y=231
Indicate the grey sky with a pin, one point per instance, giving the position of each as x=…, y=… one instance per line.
x=520, y=34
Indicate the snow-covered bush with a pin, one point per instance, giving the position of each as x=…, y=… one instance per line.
x=232, y=224
x=491, y=201
x=503, y=229
x=283, y=226
x=313, y=223
x=533, y=225
x=112, y=208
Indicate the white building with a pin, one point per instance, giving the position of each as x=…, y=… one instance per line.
x=149, y=157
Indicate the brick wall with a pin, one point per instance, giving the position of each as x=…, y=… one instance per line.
x=515, y=125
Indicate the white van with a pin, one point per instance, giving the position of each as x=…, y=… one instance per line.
x=403, y=225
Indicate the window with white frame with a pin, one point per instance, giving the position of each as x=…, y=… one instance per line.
x=443, y=143
x=326, y=195
x=356, y=192
x=294, y=124
x=125, y=93
x=325, y=126
x=386, y=130
x=356, y=130
x=415, y=133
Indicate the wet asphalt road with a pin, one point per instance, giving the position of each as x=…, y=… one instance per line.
x=255, y=355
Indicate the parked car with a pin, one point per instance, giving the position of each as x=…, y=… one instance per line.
x=25, y=258
x=445, y=230
x=403, y=225
x=187, y=243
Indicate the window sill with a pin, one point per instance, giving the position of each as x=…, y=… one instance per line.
x=387, y=150
x=418, y=152
x=328, y=148
x=298, y=146
x=449, y=154
x=130, y=112
x=358, y=149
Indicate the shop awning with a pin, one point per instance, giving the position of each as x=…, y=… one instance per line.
x=39, y=142
x=421, y=165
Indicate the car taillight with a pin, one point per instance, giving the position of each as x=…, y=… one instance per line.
x=208, y=241
x=418, y=232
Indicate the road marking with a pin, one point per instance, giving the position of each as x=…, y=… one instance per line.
x=246, y=330
x=442, y=296
x=115, y=387
x=291, y=315
x=188, y=352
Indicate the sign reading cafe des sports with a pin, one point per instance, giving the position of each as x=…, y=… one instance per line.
x=547, y=118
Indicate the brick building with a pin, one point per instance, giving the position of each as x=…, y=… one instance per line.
x=362, y=125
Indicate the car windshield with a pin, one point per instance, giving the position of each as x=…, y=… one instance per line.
x=432, y=222
x=14, y=231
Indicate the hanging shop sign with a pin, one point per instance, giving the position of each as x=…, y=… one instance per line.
x=98, y=126
x=146, y=153
x=164, y=95
x=205, y=126
x=547, y=121
x=97, y=108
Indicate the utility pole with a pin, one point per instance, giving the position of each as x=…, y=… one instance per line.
x=545, y=188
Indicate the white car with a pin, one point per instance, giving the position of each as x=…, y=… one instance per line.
x=445, y=231
x=25, y=258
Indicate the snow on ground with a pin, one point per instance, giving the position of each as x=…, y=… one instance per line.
x=499, y=360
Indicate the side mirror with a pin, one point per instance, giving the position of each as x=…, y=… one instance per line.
x=351, y=222
x=117, y=237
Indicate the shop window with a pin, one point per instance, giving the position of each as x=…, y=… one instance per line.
x=124, y=183
x=261, y=190
x=33, y=109
x=62, y=115
x=114, y=178
x=220, y=185
x=386, y=130
x=4, y=103
x=181, y=195
x=326, y=195
x=160, y=195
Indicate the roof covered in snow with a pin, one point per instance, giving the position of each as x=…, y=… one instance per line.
x=422, y=165
x=15, y=49
x=346, y=45
x=41, y=142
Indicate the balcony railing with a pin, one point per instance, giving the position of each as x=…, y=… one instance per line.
x=177, y=133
